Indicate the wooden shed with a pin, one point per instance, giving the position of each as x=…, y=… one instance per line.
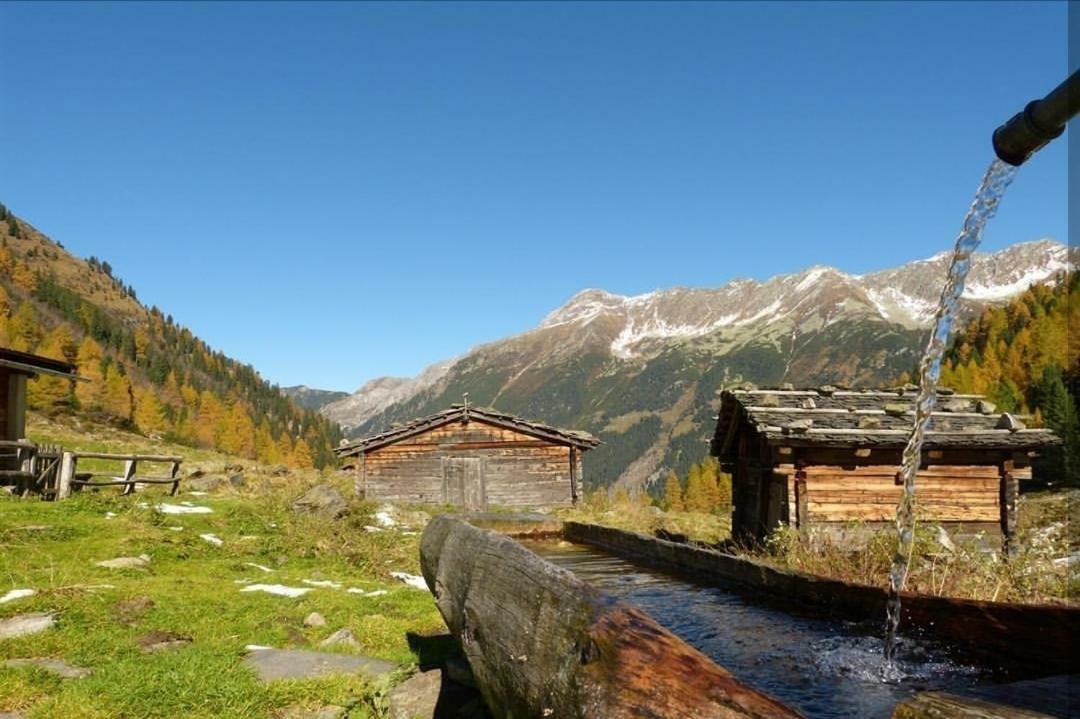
x=15, y=369
x=823, y=458
x=474, y=457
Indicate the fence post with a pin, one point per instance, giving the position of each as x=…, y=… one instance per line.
x=129, y=474
x=67, y=473
x=175, y=474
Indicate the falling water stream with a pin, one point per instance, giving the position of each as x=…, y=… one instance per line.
x=994, y=183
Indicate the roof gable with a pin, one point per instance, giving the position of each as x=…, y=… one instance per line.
x=487, y=415
x=31, y=364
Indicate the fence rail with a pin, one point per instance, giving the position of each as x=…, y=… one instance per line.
x=53, y=473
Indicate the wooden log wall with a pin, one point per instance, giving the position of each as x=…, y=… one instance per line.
x=1029, y=640
x=542, y=643
x=517, y=469
x=870, y=493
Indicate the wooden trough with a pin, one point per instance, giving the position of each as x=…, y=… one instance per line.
x=1026, y=639
x=542, y=643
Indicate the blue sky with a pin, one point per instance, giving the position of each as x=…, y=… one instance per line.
x=338, y=191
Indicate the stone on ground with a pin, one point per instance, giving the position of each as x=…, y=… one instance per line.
x=237, y=480
x=273, y=664
x=322, y=500
x=204, y=484
x=129, y=611
x=17, y=594
x=342, y=637
x=54, y=666
x=417, y=696
x=296, y=711
x=314, y=620
x=158, y=641
x=138, y=562
x=12, y=715
x=24, y=624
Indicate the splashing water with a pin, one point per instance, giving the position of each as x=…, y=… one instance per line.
x=994, y=183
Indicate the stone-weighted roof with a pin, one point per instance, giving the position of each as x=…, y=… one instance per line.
x=832, y=417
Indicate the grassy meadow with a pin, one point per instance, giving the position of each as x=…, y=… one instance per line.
x=195, y=590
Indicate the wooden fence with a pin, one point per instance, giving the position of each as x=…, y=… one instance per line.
x=53, y=473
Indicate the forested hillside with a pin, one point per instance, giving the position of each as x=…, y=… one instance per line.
x=145, y=371
x=1023, y=357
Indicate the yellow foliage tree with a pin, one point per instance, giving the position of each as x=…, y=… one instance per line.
x=301, y=455
x=116, y=399
x=24, y=328
x=48, y=392
x=89, y=393
x=266, y=449
x=673, y=494
x=149, y=416
x=211, y=413
x=237, y=433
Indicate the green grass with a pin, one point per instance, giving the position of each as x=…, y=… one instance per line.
x=193, y=587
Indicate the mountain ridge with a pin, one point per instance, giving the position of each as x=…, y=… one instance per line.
x=641, y=371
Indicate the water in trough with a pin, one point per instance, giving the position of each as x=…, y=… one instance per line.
x=822, y=667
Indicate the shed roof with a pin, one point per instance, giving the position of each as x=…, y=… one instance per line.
x=32, y=364
x=581, y=440
x=831, y=417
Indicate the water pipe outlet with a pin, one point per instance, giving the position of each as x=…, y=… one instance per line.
x=1038, y=123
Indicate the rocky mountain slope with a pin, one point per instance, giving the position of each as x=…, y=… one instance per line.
x=642, y=372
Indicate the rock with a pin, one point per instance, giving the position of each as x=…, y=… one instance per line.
x=23, y=624
x=12, y=715
x=945, y=540
x=279, y=470
x=896, y=409
x=53, y=666
x=204, y=484
x=158, y=641
x=297, y=711
x=416, y=697
x=273, y=664
x=1009, y=422
x=236, y=480
x=196, y=473
x=985, y=407
x=314, y=620
x=342, y=637
x=458, y=670
x=322, y=500
x=138, y=562
x=130, y=610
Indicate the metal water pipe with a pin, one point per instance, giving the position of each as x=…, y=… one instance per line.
x=1038, y=123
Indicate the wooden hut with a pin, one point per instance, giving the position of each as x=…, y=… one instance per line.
x=15, y=369
x=823, y=458
x=16, y=453
x=473, y=457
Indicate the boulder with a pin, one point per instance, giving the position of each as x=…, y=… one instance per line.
x=314, y=620
x=322, y=500
x=236, y=480
x=279, y=470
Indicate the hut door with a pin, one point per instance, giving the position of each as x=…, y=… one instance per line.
x=463, y=482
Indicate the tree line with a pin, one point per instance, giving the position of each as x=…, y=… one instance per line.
x=151, y=375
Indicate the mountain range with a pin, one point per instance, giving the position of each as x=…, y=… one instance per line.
x=643, y=372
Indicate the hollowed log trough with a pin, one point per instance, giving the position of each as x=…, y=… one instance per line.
x=542, y=643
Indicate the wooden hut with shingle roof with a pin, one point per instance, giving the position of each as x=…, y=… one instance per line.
x=824, y=458
x=473, y=457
